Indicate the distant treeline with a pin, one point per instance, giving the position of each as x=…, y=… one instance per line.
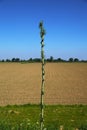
x=51, y=59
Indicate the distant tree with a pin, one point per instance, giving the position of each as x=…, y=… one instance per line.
x=59, y=59
x=36, y=60
x=3, y=60
x=22, y=60
x=30, y=59
x=76, y=60
x=84, y=61
x=51, y=58
x=48, y=60
x=17, y=59
x=7, y=60
x=70, y=59
x=13, y=60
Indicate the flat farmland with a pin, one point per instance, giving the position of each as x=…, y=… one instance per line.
x=65, y=83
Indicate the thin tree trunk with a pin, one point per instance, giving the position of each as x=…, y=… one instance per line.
x=42, y=33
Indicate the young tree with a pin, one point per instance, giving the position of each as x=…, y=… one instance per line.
x=42, y=33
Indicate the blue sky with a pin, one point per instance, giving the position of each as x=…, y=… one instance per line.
x=65, y=22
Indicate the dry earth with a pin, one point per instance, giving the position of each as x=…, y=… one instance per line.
x=65, y=83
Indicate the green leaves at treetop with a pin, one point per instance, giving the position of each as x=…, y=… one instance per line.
x=43, y=32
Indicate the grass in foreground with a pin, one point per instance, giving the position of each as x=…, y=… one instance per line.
x=26, y=117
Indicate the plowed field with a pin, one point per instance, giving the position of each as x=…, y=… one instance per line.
x=65, y=83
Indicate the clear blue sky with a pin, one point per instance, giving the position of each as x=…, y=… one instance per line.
x=65, y=22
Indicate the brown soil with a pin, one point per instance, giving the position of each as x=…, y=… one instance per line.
x=65, y=83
